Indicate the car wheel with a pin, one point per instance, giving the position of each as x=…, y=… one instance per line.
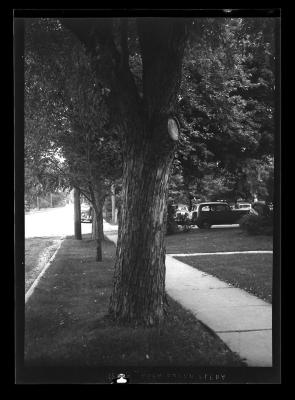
x=206, y=225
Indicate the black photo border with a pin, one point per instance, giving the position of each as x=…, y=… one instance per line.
x=105, y=375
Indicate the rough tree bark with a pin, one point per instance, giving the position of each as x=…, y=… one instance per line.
x=139, y=281
x=77, y=214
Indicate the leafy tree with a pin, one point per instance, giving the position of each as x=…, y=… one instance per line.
x=62, y=94
x=257, y=179
x=40, y=175
x=226, y=103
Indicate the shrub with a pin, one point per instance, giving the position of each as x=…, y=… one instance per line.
x=257, y=224
x=171, y=227
x=184, y=221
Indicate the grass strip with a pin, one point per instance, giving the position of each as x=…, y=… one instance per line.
x=251, y=272
x=214, y=240
x=67, y=322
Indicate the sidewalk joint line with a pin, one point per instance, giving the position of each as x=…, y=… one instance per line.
x=220, y=253
x=245, y=330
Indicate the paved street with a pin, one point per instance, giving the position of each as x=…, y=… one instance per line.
x=44, y=231
x=48, y=222
x=59, y=221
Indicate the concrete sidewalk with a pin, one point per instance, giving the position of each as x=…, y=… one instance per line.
x=110, y=231
x=240, y=319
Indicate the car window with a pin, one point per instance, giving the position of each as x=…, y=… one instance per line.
x=205, y=208
x=219, y=207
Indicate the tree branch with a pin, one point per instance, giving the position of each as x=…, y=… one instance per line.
x=85, y=195
x=70, y=177
x=110, y=66
x=162, y=44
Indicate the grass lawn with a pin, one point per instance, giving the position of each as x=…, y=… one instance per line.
x=216, y=239
x=38, y=250
x=67, y=323
x=251, y=272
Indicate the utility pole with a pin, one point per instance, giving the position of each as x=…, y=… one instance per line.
x=77, y=214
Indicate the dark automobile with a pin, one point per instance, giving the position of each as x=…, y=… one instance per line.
x=216, y=213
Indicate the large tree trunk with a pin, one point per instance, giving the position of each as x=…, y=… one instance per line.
x=143, y=114
x=139, y=281
x=139, y=295
x=77, y=214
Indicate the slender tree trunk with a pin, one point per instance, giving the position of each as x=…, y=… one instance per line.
x=51, y=200
x=77, y=214
x=139, y=281
x=99, y=233
x=188, y=196
x=113, y=200
x=38, y=203
x=94, y=226
x=97, y=224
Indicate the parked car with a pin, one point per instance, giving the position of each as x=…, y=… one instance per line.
x=243, y=206
x=261, y=208
x=86, y=213
x=216, y=213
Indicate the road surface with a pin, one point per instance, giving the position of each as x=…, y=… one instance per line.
x=44, y=230
x=55, y=222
